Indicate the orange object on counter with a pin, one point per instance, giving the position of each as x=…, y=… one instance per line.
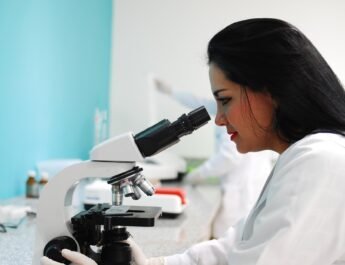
x=173, y=191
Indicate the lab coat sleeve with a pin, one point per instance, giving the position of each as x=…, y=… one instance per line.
x=302, y=220
x=212, y=252
x=190, y=101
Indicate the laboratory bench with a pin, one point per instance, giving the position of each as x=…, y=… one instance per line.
x=168, y=236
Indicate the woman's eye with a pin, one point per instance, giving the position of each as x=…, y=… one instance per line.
x=224, y=101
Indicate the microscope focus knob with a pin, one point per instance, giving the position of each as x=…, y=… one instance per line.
x=53, y=248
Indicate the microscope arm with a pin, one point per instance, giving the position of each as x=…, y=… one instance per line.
x=55, y=205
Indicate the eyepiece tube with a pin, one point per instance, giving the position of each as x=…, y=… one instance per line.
x=164, y=134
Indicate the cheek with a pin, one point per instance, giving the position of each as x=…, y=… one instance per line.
x=264, y=116
x=262, y=109
x=236, y=114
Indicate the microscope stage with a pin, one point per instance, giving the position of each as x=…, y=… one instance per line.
x=121, y=215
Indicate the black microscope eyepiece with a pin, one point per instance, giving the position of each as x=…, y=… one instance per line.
x=164, y=133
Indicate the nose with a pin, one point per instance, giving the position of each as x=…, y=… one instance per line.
x=220, y=119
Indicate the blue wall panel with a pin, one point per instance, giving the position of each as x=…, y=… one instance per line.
x=54, y=72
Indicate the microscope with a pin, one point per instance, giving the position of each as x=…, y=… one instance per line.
x=100, y=231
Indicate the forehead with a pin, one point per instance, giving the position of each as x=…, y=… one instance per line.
x=220, y=83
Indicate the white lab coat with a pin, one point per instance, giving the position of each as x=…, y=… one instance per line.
x=242, y=176
x=299, y=217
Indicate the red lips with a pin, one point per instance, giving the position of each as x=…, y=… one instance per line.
x=233, y=135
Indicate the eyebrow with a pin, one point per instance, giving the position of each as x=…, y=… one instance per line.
x=215, y=93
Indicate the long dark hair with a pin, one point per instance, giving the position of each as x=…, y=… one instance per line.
x=271, y=55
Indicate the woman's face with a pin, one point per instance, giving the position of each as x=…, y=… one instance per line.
x=247, y=115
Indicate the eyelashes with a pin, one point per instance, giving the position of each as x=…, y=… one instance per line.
x=224, y=101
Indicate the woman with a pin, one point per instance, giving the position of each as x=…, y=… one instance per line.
x=274, y=91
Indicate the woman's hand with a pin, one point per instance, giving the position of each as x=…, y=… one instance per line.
x=75, y=257
x=138, y=257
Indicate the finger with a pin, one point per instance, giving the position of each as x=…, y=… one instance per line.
x=77, y=258
x=136, y=250
x=137, y=253
x=47, y=261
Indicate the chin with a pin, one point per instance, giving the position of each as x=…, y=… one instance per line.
x=247, y=149
x=242, y=150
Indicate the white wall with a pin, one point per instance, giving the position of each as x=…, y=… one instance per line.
x=169, y=38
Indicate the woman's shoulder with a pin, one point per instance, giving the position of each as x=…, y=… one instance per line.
x=318, y=145
x=315, y=157
x=322, y=141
